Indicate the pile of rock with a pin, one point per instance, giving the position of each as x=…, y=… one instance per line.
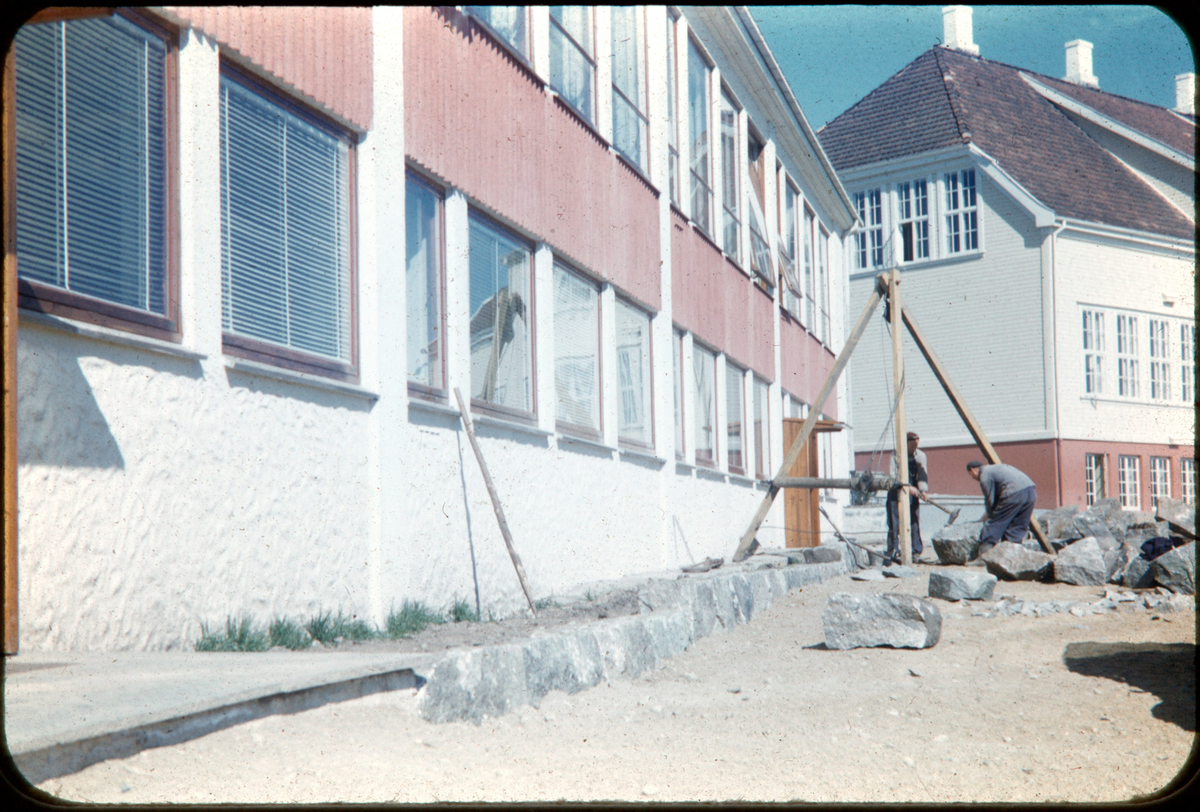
x=1158, y=600
x=1095, y=546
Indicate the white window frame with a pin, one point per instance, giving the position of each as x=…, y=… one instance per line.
x=434, y=384
x=569, y=44
x=673, y=166
x=728, y=120
x=1128, y=379
x=960, y=200
x=735, y=394
x=620, y=98
x=1187, y=362
x=1129, y=481
x=1093, y=351
x=1160, y=367
x=563, y=423
x=1187, y=480
x=762, y=428
x=633, y=391
x=704, y=365
x=912, y=208
x=1094, y=480
x=792, y=284
x=701, y=189
x=680, y=410
x=823, y=283
x=1160, y=479
x=868, y=242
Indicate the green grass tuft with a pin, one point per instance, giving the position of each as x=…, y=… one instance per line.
x=412, y=618
x=321, y=628
x=240, y=635
x=325, y=628
x=462, y=610
x=287, y=633
x=546, y=603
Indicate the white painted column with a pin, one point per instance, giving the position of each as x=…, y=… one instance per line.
x=539, y=40
x=458, y=295
x=543, y=352
x=609, y=379
x=603, y=57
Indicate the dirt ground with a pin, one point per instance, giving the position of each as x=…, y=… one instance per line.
x=1058, y=708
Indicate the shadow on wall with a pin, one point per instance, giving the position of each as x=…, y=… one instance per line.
x=1167, y=670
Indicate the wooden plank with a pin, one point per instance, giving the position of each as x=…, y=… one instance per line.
x=11, y=627
x=963, y=410
x=744, y=546
x=901, y=425
x=487, y=480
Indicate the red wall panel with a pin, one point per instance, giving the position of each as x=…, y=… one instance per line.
x=805, y=364
x=323, y=52
x=479, y=120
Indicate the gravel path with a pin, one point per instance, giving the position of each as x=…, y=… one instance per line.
x=1057, y=708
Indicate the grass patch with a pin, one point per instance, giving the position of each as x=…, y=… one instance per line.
x=546, y=603
x=412, y=619
x=289, y=634
x=240, y=635
x=326, y=628
x=462, y=610
x=321, y=628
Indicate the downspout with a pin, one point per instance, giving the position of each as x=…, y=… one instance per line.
x=1054, y=343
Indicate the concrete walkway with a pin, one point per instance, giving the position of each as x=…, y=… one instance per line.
x=64, y=711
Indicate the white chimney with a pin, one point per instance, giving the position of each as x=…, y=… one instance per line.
x=1185, y=94
x=956, y=29
x=1079, y=63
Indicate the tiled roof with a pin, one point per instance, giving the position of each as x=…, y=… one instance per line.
x=945, y=97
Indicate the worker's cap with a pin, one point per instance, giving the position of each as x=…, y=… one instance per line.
x=912, y=435
x=973, y=464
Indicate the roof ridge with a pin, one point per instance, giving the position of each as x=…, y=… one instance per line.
x=951, y=97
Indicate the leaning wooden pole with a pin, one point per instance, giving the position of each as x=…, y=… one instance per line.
x=963, y=410
x=901, y=448
x=746, y=546
x=491, y=489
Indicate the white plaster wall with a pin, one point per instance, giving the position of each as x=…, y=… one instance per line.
x=1135, y=279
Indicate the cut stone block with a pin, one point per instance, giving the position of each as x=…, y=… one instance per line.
x=822, y=555
x=900, y=571
x=957, y=586
x=899, y=621
x=1082, y=564
x=957, y=543
x=1013, y=562
x=1176, y=570
x=1179, y=515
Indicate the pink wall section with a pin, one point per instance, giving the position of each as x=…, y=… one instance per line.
x=1072, y=452
x=478, y=119
x=805, y=364
x=719, y=303
x=325, y=53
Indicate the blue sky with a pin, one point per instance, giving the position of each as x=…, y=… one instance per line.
x=834, y=55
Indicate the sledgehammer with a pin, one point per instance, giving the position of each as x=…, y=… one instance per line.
x=953, y=513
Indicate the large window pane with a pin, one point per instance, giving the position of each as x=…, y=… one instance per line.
x=571, y=63
x=761, y=428
x=423, y=291
x=629, y=120
x=698, y=84
x=285, y=227
x=672, y=124
x=501, y=345
x=91, y=160
x=731, y=226
x=734, y=399
x=508, y=22
x=633, y=375
x=703, y=365
x=576, y=350
x=677, y=368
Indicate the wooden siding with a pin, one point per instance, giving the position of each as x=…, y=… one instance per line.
x=478, y=119
x=718, y=303
x=804, y=365
x=324, y=53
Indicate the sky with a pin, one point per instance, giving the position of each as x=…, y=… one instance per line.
x=832, y=56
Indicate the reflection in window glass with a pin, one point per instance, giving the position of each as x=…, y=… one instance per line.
x=734, y=385
x=501, y=348
x=576, y=350
x=677, y=365
x=703, y=363
x=571, y=64
x=633, y=375
x=761, y=428
x=629, y=119
x=698, y=84
x=506, y=21
x=423, y=290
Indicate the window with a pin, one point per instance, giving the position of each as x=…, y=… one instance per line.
x=735, y=382
x=1127, y=482
x=914, y=219
x=731, y=225
x=507, y=22
x=698, y=84
x=1127, y=361
x=823, y=282
x=869, y=241
x=704, y=367
x=1160, y=367
x=792, y=293
x=810, y=278
x=1093, y=352
x=760, y=249
x=677, y=365
x=628, y=69
x=576, y=352
x=1160, y=479
x=1187, y=480
x=501, y=339
x=672, y=123
x=1187, y=362
x=1093, y=477
x=633, y=375
x=93, y=190
x=762, y=428
x=572, y=67
x=287, y=290
x=423, y=285
x=962, y=223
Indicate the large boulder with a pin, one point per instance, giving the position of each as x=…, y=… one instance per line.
x=1092, y=523
x=1137, y=534
x=957, y=543
x=1179, y=515
x=1013, y=562
x=957, y=586
x=1176, y=570
x=899, y=621
x=1060, y=523
x=1081, y=563
x=1118, y=561
x=1137, y=575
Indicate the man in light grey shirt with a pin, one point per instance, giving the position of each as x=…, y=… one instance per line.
x=1008, y=499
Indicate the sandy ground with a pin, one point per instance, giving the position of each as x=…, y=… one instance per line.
x=1060, y=708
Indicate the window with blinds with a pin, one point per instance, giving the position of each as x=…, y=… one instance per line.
x=576, y=352
x=92, y=187
x=762, y=428
x=704, y=367
x=423, y=284
x=501, y=315
x=734, y=401
x=633, y=375
x=285, y=233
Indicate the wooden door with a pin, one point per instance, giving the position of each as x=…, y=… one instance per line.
x=802, y=522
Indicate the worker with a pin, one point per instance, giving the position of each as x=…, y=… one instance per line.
x=916, y=488
x=1008, y=498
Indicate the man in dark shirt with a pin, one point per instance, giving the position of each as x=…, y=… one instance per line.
x=1008, y=499
x=918, y=486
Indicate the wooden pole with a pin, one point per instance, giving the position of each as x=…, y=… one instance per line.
x=9, y=351
x=963, y=410
x=901, y=452
x=746, y=546
x=487, y=480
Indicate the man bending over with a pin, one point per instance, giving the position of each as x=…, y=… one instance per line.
x=1008, y=498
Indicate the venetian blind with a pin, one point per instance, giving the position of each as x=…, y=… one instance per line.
x=576, y=350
